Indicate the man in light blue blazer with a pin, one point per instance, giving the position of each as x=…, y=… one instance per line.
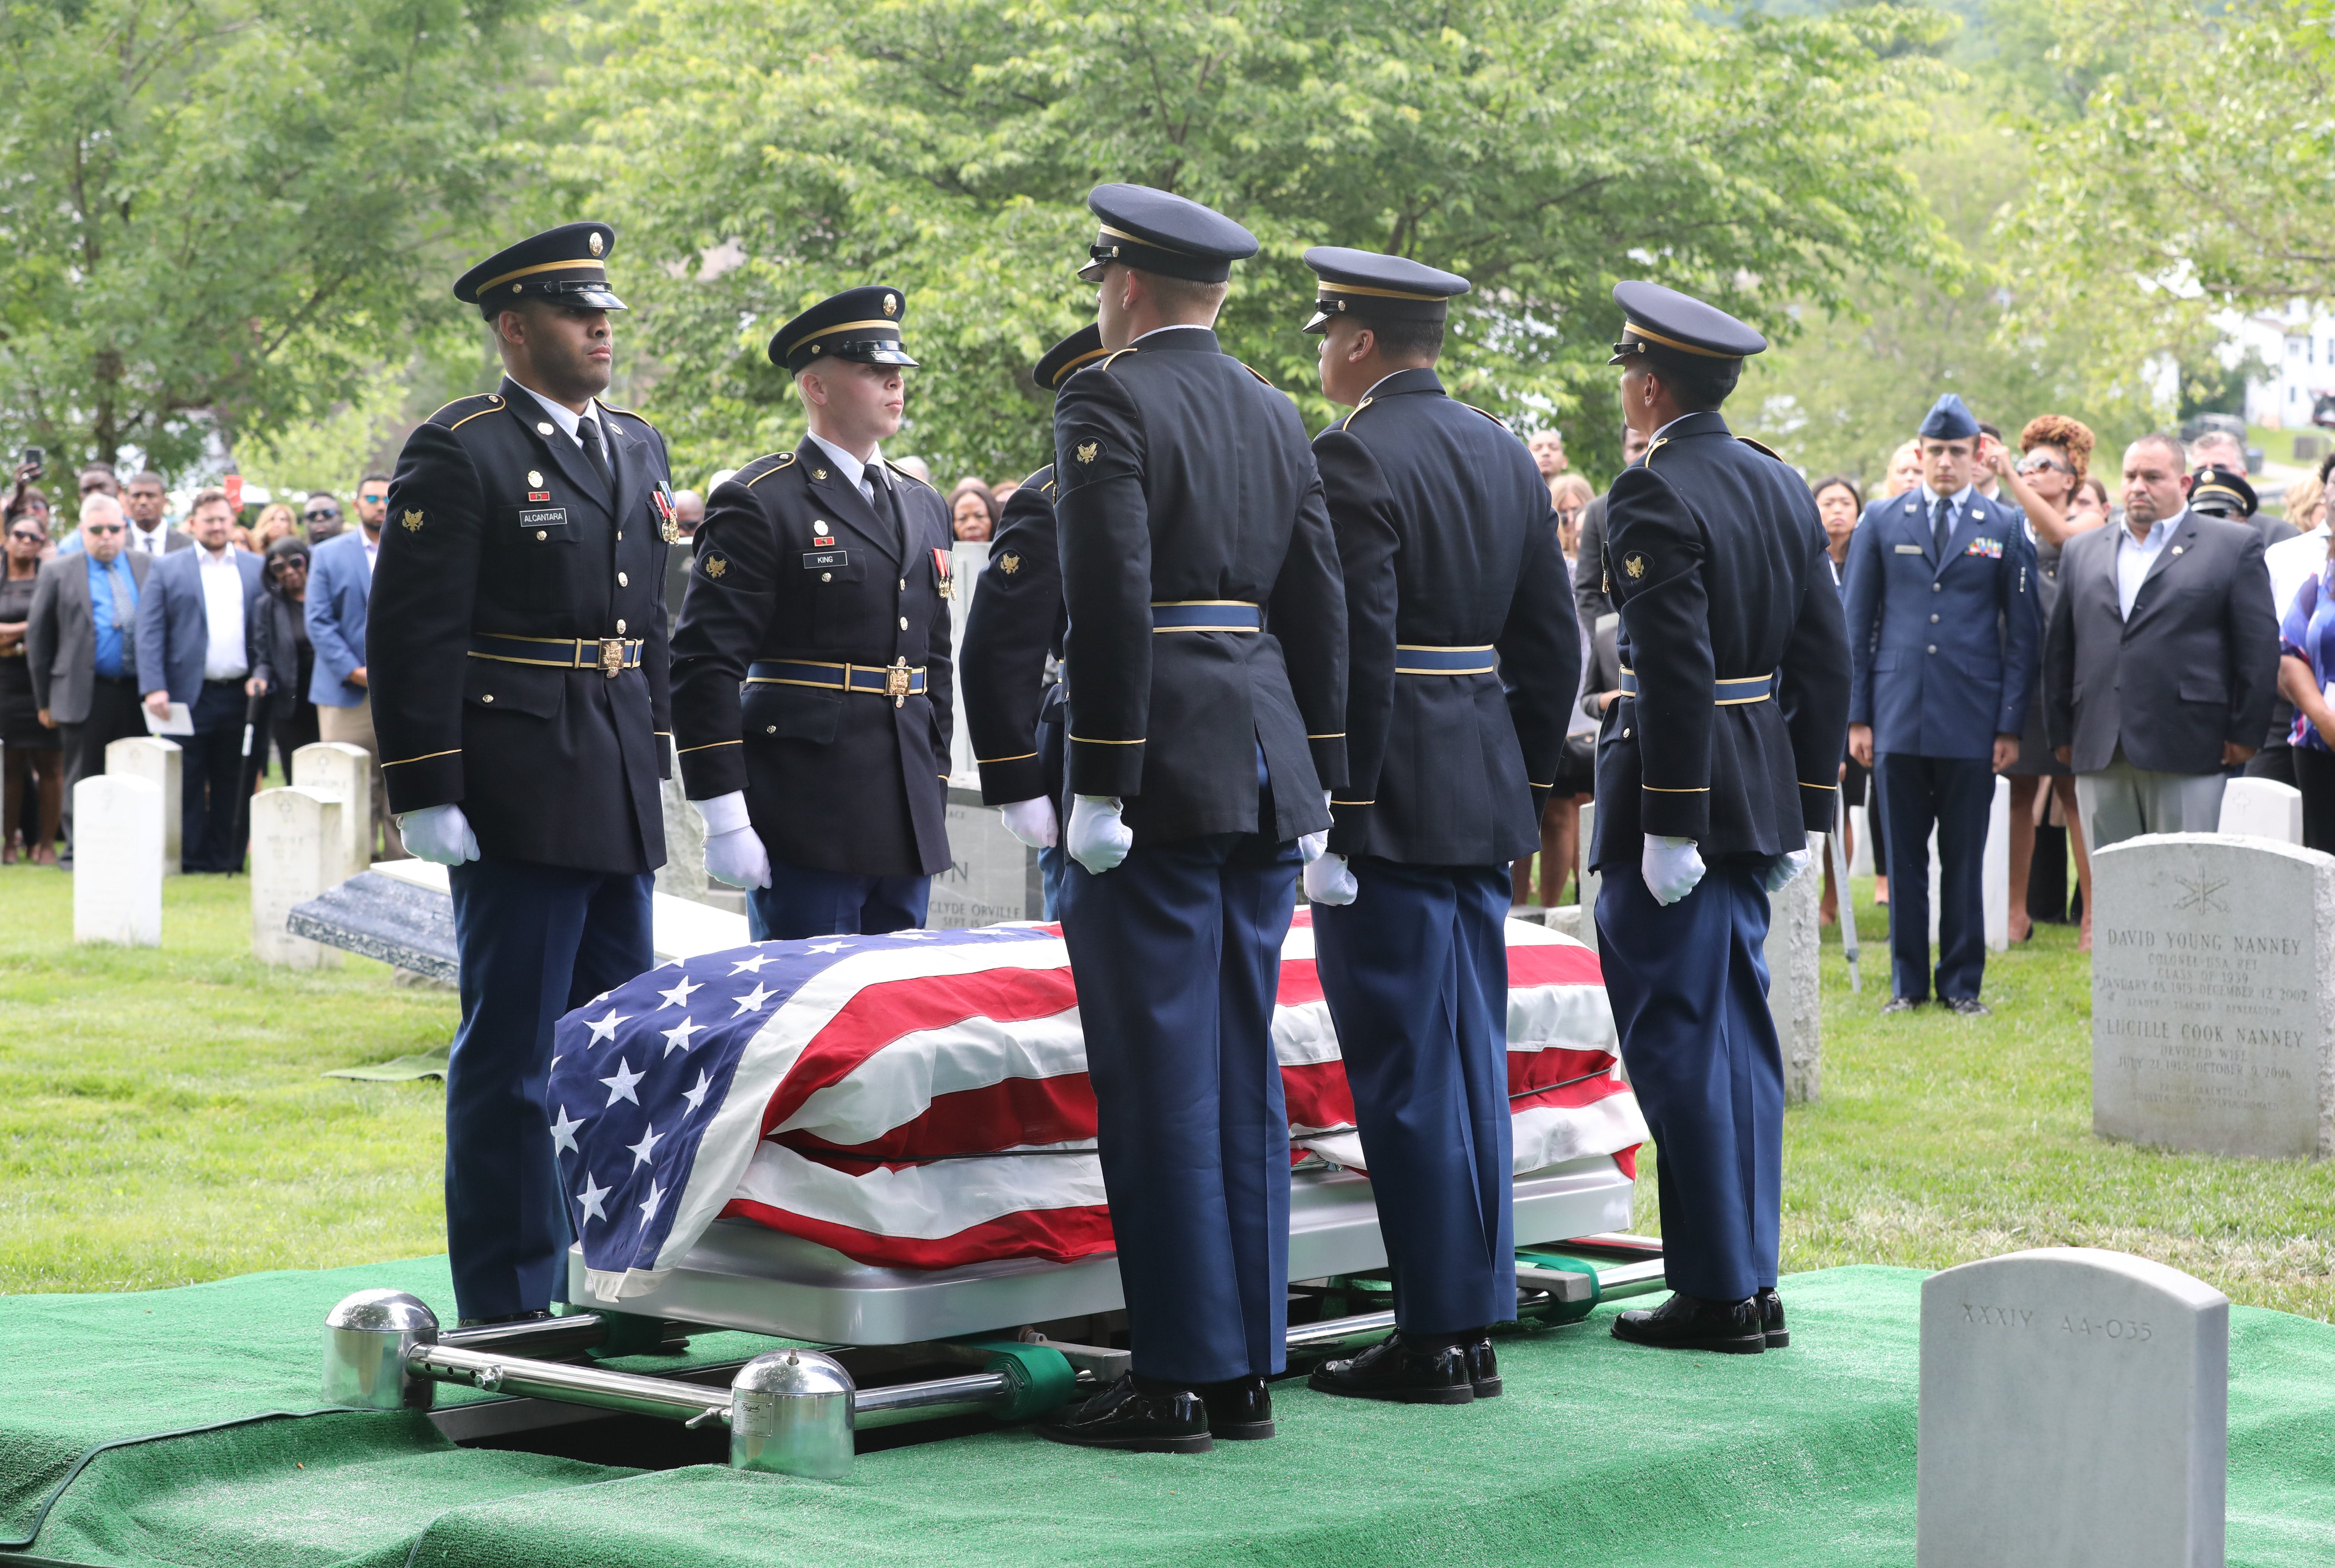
x=340, y=586
x=196, y=620
x=1944, y=640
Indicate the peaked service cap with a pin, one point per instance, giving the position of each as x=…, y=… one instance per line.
x=1154, y=231
x=567, y=264
x=1373, y=287
x=860, y=323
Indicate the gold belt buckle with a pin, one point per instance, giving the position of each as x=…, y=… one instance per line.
x=611, y=656
x=895, y=683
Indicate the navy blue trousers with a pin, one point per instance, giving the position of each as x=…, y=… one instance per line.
x=213, y=792
x=801, y=902
x=1955, y=793
x=1177, y=953
x=1689, y=987
x=1416, y=974
x=534, y=941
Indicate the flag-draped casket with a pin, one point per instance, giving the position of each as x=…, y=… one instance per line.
x=920, y=1100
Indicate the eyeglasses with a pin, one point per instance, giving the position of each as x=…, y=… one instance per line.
x=374, y=500
x=102, y=527
x=2038, y=463
x=319, y=514
x=26, y=537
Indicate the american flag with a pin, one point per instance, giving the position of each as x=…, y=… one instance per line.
x=920, y=1099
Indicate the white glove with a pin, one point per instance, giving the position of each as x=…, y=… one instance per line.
x=1099, y=839
x=439, y=834
x=1033, y=822
x=1330, y=880
x=1311, y=846
x=1671, y=867
x=1787, y=866
x=734, y=850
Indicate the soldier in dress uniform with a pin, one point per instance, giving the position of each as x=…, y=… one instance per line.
x=1455, y=584
x=1716, y=761
x=811, y=660
x=1206, y=662
x=1013, y=712
x=517, y=653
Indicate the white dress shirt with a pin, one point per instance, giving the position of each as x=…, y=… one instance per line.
x=846, y=463
x=223, y=658
x=2292, y=563
x=154, y=543
x=567, y=420
x=2135, y=556
x=372, y=551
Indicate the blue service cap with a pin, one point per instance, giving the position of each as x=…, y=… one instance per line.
x=860, y=323
x=1372, y=286
x=1082, y=347
x=1656, y=321
x=1948, y=421
x=1154, y=231
x=567, y=265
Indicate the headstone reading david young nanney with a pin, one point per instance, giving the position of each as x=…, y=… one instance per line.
x=2074, y=1414
x=118, y=860
x=2213, y=995
x=298, y=848
x=160, y=763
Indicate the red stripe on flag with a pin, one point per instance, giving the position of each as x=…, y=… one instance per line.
x=1057, y=1235
x=1317, y=1094
x=1007, y=1114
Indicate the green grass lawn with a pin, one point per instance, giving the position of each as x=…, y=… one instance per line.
x=162, y=1120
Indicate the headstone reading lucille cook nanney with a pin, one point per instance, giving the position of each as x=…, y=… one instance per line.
x=2213, y=995
x=2074, y=1414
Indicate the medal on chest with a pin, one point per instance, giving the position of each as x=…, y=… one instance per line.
x=944, y=577
x=668, y=514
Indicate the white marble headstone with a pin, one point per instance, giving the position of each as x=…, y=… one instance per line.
x=1590, y=881
x=2262, y=809
x=1793, y=951
x=344, y=772
x=118, y=860
x=2074, y=1414
x=967, y=562
x=159, y=762
x=993, y=877
x=296, y=845
x=683, y=875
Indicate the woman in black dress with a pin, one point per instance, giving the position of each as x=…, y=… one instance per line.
x=35, y=757
x=285, y=659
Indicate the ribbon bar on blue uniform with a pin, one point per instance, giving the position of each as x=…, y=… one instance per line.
x=1418, y=659
x=1206, y=615
x=1729, y=690
x=876, y=680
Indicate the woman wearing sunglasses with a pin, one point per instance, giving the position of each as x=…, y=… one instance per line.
x=35, y=756
x=284, y=658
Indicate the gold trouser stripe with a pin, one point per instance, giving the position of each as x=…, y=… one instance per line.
x=425, y=756
x=1658, y=790
x=1805, y=785
x=1369, y=802
x=1338, y=736
x=1083, y=741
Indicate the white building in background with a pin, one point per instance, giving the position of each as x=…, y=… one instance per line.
x=2298, y=345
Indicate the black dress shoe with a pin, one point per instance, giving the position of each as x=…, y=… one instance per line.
x=538, y=1314
x=1135, y=1421
x=1970, y=1007
x=1407, y=1374
x=1772, y=1319
x=1900, y=1004
x=1687, y=1322
x=1239, y=1410
x=1483, y=1367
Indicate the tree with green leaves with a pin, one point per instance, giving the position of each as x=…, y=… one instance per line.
x=760, y=154
x=220, y=216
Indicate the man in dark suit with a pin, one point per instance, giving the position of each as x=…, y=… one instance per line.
x=1720, y=757
x=81, y=642
x=1590, y=598
x=821, y=586
x=516, y=646
x=143, y=498
x=1011, y=710
x=2162, y=658
x=1944, y=633
x=340, y=587
x=198, y=625
x=1207, y=658
x=1462, y=661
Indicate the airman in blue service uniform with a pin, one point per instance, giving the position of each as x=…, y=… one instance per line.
x=1012, y=711
x=1207, y=701
x=1718, y=760
x=1455, y=587
x=518, y=657
x=811, y=660
x=1945, y=638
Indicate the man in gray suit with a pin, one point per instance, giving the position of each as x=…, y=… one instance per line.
x=2162, y=659
x=80, y=642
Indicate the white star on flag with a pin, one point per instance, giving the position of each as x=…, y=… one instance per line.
x=590, y=1199
x=678, y=995
x=827, y=947
x=641, y=1151
x=603, y=1030
x=750, y=965
x=656, y=1196
x=696, y=1097
x=563, y=1133
x=752, y=1000
x=911, y=935
x=677, y=1037
x=621, y=1086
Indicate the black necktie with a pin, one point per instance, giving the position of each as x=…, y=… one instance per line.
x=587, y=430
x=880, y=498
x=1943, y=526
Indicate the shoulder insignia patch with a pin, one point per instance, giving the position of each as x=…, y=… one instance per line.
x=1762, y=448
x=714, y=564
x=1009, y=563
x=1485, y=413
x=412, y=522
x=1633, y=564
x=1087, y=451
